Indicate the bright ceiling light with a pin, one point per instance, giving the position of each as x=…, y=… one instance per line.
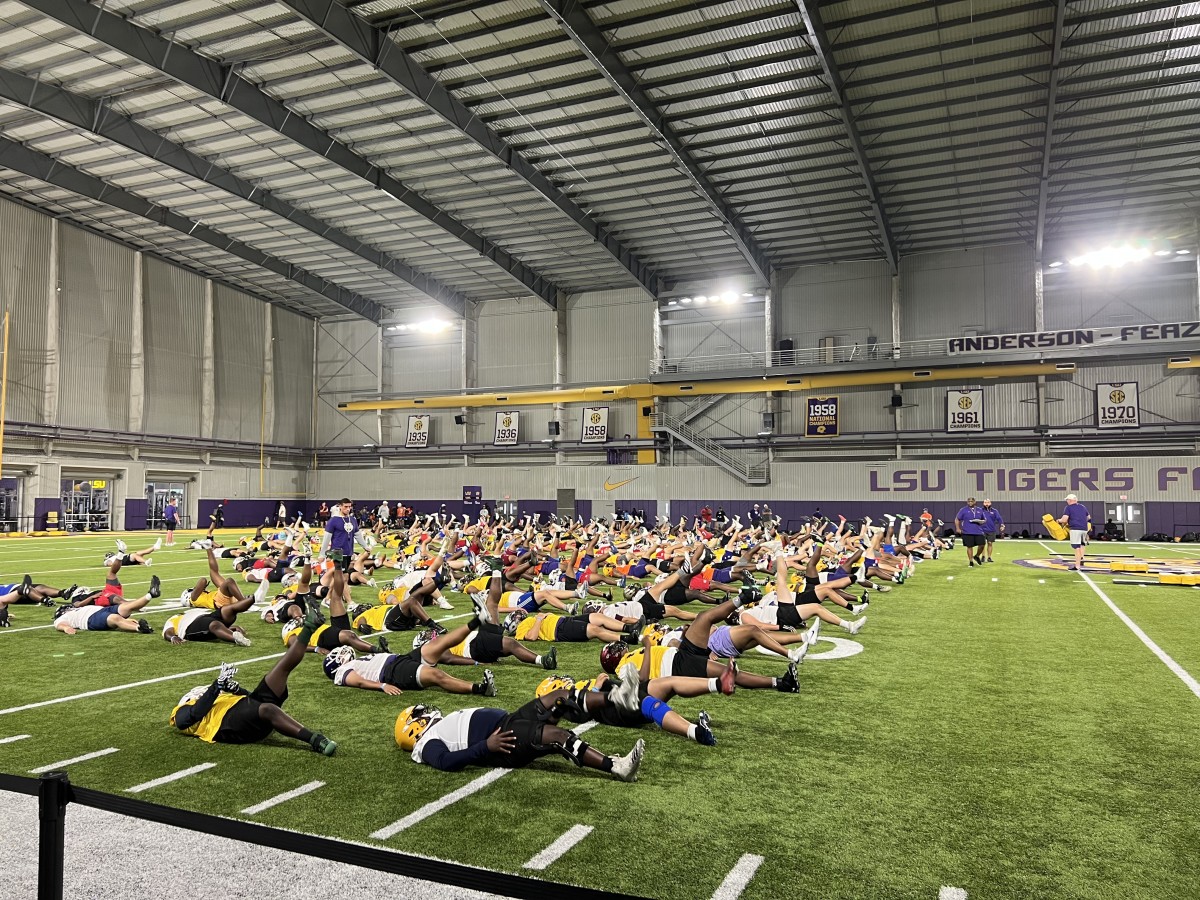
x=1113, y=257
x=700, y=301
x=1162, y=252
x=747, y=294
x=672, y=303
x=685, y=299
x=1056, y=264
x=729, y=298
x=1183, y=252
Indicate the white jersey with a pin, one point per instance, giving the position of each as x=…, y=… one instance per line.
x=411, y=580
x=767, y=615
x=369, y=668
x=630, y=609
x=451, y=731
x=78, y=618
x=181, y=622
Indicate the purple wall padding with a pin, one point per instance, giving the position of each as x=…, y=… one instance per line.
x=241, y=513
x=43, y=505
x=136, y=511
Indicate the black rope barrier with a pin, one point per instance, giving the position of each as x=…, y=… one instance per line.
x=55, y=793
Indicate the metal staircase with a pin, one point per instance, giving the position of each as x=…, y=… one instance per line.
x=737, y=463
x=699, y=407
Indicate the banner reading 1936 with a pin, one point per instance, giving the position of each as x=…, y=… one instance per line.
x=418, y=433
x=1117, y=405
x=595, y=425
x=507, y=426
x=964, y=410
x=821, y=417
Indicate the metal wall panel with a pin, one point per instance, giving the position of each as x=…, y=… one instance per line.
x=705, y=333
x=609, y=336
x=516, y=343
x=94, y=332
x=347, y=366
x=173, y=329
x=423, y=363
x=293, y=365
x=1083, y=298
x=988, y=290
x=1165, y=397
x=25, y=280
x=1005, y=405
x=737, y=415
x=239, y=322
x=850, y=301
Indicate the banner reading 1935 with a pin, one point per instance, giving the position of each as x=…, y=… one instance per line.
x=821, y=417
x=1117, y=405
x=418, y=433
x=507, y=426
x=964, y=410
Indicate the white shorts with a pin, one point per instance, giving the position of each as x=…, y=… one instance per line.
x=1078, y=537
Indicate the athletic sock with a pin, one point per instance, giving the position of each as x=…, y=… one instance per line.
x=261, y=593
x=305, y=735
x=842, y=623
x=537, y=660
x=691, y=732
x=713, y=688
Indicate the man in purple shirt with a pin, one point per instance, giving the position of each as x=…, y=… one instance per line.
x=969, y=523
x=994, y=526
x=341, y=533
x=1079, y=522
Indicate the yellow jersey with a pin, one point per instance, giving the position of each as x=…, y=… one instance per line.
x=658, y=656
x=211, y=600
x=206, y=729
x=541, y=627
x=478, y=585
x=312, y=641
x=373, y=618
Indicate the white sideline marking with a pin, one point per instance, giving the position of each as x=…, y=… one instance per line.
x=737, y=879
x=13, y=739
x=167, y=779
x=66, y=762
x=569, y=839
x=951, y=893
x=436, y=806
x=1180, y=672
x=282, y=798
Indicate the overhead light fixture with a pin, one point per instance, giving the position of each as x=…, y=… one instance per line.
x=729, y=298
x=1182, y=252
x=685, y=299
x=1113, y=257
x=672, y=303
x=747, y=294
x=1056, y=264
x=701, y=300
x=1162, y=252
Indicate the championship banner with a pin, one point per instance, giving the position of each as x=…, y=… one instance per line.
x=1117, y=405
x=417, y=437
x=964, y=410
x=821, y=417
x=507, y=424
x=595, y=425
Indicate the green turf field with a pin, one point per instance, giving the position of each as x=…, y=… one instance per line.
x=998, y=734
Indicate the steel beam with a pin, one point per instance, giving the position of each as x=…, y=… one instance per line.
x=223, y=83
x=820, y=44
x=574, y=20
x=376, y=48
x=45, y=168
x=1060, y=11
x=95, y=117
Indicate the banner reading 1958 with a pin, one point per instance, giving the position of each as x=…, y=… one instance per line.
x=595, y=425
x=964, y=410
x=507, y=426
x=821, y=417
x=418, y=433
x=1117, y=405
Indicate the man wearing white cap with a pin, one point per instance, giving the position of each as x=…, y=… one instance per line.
x=1079, y=522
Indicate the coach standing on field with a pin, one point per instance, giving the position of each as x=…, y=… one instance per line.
x=341, y=532
x=1079, y=522
x=993, y=526
x=969, y=523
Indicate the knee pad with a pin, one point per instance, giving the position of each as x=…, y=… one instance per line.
x=655, y=710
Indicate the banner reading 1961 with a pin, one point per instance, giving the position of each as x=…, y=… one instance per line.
x=964, y=410
x=821, y=417
x=507, y=425
x=418, y=433
x=595, y=425
x=1117, y=405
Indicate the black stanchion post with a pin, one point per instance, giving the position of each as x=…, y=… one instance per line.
x=54, y=792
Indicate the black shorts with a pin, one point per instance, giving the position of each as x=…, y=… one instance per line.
x=690, y=661
x=487, y=647
x=572, y=629
x=401, y=670
x=972, y=540
x=787, y=614
x=989, y=537
x=526, y=724
x=198, y=630
x=331, y=637
x=676, y=594
x=651, y=608
x=397, y=619
x=620, y=718
x=242, y=723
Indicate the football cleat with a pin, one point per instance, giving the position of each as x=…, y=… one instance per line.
x=121, y=546
x=704, y=733
x=144, y=626
x=323, y=745
x=155, y=587
x=240, y=639
x=625, y=694
x=336, y=658
x=478, y=600
x=789, y=683
x=6, y=621
x=225, y=677
x=487, y=685
x=727, y=680
x=625, y=768
x=550, y=659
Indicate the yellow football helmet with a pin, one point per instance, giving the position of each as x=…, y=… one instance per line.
x=656, y=632
x=555, y=683
x=413, y=722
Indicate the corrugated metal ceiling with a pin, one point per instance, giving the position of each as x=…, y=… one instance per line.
x=742, y=146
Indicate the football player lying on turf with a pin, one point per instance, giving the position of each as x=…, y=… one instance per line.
x=112, y=593
x=291, y=605
x=653, y=694
x=393, y=673
x=498, y=738
x=28, y=592
x=202, y=625
x=404, y=615
x=136, y=558
x=337, y=632
x=691, y=657
x=224, y=713
x=215, y=591
x=111, y=615
x=783, y=609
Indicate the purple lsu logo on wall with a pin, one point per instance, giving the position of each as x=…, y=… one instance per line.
x=1018, y=480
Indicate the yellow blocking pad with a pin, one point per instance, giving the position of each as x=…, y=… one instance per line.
x=1054, y=528
x=1127, y=566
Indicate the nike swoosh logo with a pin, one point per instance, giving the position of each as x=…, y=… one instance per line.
x=612, y=487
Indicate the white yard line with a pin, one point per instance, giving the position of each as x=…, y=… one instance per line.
x=739, y=876
x=167, y=779
x=951, y=893
x=1181, y=673
x=282, y=798
x=74, y=759
x=436, y=806
x=561, y=845
x=13, y=739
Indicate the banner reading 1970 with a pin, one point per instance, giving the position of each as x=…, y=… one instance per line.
x=1117, y=405
x=821, y=417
